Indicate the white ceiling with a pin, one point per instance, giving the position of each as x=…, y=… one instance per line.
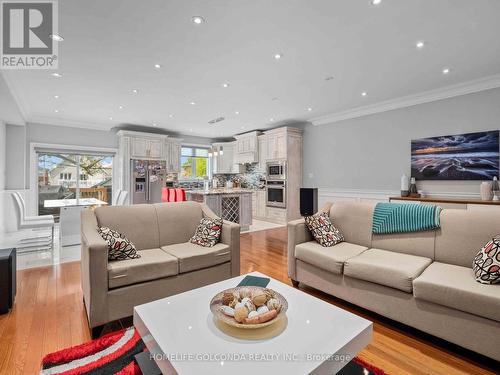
x=111, y=46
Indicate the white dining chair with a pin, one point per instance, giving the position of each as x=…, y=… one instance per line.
x=32, y=222
x=122, y=198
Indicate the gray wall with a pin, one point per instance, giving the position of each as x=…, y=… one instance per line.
x=15, y=157
x=2, y=154
x=372, y=152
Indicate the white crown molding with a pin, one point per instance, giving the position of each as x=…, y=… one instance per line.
x=42, y=120
x=464, y=88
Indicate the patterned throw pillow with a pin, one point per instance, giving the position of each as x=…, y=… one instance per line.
x=208, y=232
x=486, y=264
x=119, y=246
x=323, y=230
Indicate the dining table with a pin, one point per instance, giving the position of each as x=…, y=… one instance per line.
x=69, y=219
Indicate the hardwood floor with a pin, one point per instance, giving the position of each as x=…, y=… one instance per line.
x=49, y=315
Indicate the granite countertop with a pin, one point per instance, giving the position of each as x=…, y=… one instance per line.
x=221, y=191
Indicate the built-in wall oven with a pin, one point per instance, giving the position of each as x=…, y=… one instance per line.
x=276, y=170
x=276, y=194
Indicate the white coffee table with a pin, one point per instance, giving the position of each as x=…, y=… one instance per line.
x=182, y=337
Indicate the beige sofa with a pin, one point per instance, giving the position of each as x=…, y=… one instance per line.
x=169, y=263
x=421, y=279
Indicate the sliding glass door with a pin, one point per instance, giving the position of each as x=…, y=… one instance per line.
x=73, y=176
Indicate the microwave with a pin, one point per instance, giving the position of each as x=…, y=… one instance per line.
x=276, y=170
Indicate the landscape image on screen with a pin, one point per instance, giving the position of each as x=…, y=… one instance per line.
x=472, y=156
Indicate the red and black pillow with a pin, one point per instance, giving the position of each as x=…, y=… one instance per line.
x=119, y=246
x=322, y=229
x=486, y=264
x=208, y=232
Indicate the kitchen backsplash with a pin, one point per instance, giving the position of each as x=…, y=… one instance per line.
x=253, y=178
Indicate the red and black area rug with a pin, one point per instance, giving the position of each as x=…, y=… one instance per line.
x=115, y=354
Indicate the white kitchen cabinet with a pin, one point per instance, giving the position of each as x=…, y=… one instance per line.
x=263, y=149
x=247, y=148
x=223, y=158
x=146, y=148
x=173, y=155
x=260, y=206
x=276, y=146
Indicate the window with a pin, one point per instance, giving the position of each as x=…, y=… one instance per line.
x=194, y=162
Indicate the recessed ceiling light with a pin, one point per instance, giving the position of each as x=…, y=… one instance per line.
x=197, y=20
x=120, y=107
x=111, y=118
x=309, y=109
x=57, y=75
x=135, y=91
x=56, y=110
x=155, y=124
x=157, y=66
x=446, y=70
x=243, y=126
x=376, y=2
x=271, y=119
x=171, y=116
x=420, y=44
x=364, y=93
x=56, y=96
x=192, y=103
x=190, y=130
x=56, y=37
x=225, y=85
x=278, y=56
x=236, y=112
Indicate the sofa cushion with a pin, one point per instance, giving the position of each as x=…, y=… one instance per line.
x=486, y=265
x=354, y=220
x=194, y=257
x=177, y=221
x=119, y=246
x=153, y=264
x=138, y=222
x=454, y=286
x=323, y=230
x=387, y=268
x=208, y=232
x=330, y=258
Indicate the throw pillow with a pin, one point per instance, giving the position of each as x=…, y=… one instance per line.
x=119, y=246
x=322, y=229
x=486, y=264
x=208, y=232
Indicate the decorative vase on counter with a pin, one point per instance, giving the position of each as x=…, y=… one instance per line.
x=495, y=188
x=486, y=191
x=405, y=187
x=413, y=188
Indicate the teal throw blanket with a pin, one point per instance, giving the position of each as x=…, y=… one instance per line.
x=404, y=217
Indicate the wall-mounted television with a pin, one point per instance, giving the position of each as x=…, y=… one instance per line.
x=472, y=156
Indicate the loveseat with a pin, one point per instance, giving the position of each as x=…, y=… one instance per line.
x=169, y=263
x=422, y=279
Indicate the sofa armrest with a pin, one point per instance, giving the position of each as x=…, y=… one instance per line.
x=94, y=269
x=230, y=236
x=297, y=234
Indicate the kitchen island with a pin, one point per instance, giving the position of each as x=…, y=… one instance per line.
x=233, y=205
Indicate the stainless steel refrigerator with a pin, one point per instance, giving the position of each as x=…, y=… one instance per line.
x=148, y=178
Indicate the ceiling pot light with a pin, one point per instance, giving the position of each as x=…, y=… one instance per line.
x=56, y=110
x=155, y=124
x=157, y=66
x=135, y=91
x=225, y=85
x=271, y=119
x=376, y=2
x=309, y=109
x=197, y=20
x=420, y=44
x=56, y=37
x=278, y=56
x=57, y=75
x=192, y=103
x=111, y=118
x=364, y=93
x=120, y=107
x=236, y=112
x=56, y=96
x=446, y=70
x=171, y=116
